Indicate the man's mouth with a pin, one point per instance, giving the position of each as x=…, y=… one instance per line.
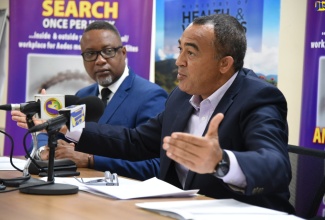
x=181, y=76
x=102, y=72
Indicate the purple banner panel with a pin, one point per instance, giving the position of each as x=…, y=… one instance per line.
x=45, y=51
x=312, y=131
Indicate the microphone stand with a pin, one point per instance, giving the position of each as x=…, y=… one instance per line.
x=30, y=124
x=26, y=178
x=32, y=154
x=51, y=188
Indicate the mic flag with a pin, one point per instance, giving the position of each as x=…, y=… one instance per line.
x=34, y=107
x=72, y=116
x=75, y=115
x=50, y=104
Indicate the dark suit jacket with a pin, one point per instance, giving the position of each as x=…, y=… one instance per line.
x=254, y=128
x=135, y=101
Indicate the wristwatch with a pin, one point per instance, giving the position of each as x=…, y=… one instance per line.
x=39, y=151
x=222, y=167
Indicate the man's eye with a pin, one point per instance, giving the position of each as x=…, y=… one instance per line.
x=108, y=51
x=89, y=54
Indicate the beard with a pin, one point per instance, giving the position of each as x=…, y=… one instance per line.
x=105, y=81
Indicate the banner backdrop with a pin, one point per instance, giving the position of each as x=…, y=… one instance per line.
x=45, y=51
x=312, y=129
x=261, y=20
x=3, y=46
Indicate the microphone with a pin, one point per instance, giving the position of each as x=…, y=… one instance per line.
x=53, y=123
x=27, y=107
x=35, y=105
x=95, y=108
x=74, y=116
x=45, y=105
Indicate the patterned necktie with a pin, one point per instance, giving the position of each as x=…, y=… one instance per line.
x=105, y=93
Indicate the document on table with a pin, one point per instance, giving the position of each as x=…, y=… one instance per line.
x=72, y=181
x=213, y=209
x=6, y=165
x=131, y=189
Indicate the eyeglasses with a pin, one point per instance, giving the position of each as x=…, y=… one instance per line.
x=105, y=53
x=110, y=179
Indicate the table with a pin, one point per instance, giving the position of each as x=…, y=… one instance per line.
x=83, y=205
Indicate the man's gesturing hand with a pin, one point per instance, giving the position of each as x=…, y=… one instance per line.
x=199, y=154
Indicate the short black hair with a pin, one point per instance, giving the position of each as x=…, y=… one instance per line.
x=230, y=37
x=102, y=25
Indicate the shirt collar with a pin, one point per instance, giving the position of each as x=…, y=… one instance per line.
x=215, y=97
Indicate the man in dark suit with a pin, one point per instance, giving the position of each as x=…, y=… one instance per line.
x=223, y=131
x=131, y=102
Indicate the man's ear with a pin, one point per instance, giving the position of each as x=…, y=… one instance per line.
x=226, y=63
x=124, y=52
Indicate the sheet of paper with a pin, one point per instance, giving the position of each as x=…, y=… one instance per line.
x=213, y=209
x=72, y=181
x=6, y=165
x=150, y=188
x=130, y=189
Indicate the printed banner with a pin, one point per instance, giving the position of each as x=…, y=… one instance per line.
x=45, y=51
x=3, y=46
x=312, y=130
x=261, y=20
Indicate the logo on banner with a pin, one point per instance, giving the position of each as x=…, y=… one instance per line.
x=52, y=106
x=320, y=6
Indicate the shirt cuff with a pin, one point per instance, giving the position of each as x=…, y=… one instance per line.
x=74, y=135
x=235, y=176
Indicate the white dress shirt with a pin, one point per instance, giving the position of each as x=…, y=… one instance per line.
x=197, y=124
x=114, y=87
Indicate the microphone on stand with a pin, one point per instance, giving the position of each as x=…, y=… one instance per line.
x=30, y=109
x=46, y=106
x=35, y=106
x=74, y=113
x=27, y=106
x=74, y=117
